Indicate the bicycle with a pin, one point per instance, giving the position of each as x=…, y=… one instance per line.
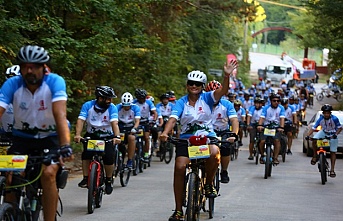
x=96, y=174
x=137, y=162
x=256, y=149
x=323, y=144
x=26, y=186
x=120, y=167
x=166, y=148
x=194, y=192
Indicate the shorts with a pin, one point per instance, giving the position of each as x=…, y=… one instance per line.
x=224, y=147
x=276, y=137
x=333, y=142
x=33, y=146
x=288, y=128
x=107, y=155
x=253, y=134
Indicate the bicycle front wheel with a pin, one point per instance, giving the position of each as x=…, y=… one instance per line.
x=162, y=151
x=268, y=163
x=168, y=152
x=322, y=168
x=92, y=188
x=192, y=211
x=7, y=212
x=124, y=174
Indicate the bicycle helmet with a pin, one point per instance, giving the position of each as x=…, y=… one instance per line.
x=197, y=76
x=326, y=107
x=284, y=100
x=164, y=96
x=104, y=91
x=126, y=99
x=273, y=95
x=12, y=71
x=213, y=85
x=33, y=54
x=237, y=102
x=171, y=93
x=140, y=93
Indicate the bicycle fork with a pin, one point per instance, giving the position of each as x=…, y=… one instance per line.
x=98, y=172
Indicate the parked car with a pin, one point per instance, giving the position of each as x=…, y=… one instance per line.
x=307, y=145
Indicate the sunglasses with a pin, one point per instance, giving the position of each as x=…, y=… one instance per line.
x=275, y=100
x=196, y=83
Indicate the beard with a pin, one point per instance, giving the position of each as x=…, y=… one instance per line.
x=31, y=79
x=103, y=104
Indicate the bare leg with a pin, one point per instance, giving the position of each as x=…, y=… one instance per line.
x=179, y=180
x=50, y=193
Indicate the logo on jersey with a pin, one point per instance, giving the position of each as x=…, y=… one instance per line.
x=23, y=106
x=200, y=110
x=42, y=106
x=104, y=119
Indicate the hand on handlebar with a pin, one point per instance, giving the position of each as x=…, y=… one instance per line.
x=116, y=140
x=163, y=137
x=231, y=139
x=77, y=138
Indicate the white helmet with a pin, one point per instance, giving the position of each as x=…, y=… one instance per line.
x=197, y=76
x=12, y=71
x=126, y=99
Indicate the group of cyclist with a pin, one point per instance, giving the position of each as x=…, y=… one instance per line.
x=33, y=112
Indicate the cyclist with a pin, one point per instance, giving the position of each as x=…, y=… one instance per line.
x=39, y=109
x=290, y=122
x=273, y=113
x=165, y=108
x=129, y=116
x=6, y=122
x=101, y=117
x=330, y=127
x=248, y=101
x=146, y=107
x=253, y=116
x=241, y=119
x=232, y=97
x=223, y=111
x=303, y=105
x=311, y=92
x=172, y=97
x=194, y=111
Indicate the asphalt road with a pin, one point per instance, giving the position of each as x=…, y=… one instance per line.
x=293, y=192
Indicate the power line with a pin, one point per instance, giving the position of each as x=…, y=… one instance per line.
x=283, y=5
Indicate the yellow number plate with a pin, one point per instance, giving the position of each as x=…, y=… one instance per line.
x=197, y=152
x=323, y=143
x=141, y=132
x=96, y=145
x=122, y=136
x=269, y=132
x=13, y=162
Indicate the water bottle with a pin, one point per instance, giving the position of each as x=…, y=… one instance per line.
x=33, y=204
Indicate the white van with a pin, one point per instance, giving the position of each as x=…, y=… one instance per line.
x=279, y=72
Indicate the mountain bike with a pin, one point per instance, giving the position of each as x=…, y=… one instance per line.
x=25, y=172
x=166, y=148
x=96, y=174
x=269, y=132
x=119, y=159
x=234, y=149
x=194, y=192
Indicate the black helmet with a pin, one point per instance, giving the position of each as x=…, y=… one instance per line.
x=273, y=95
x=171, y=93
x=33, y=54
x=140, y=93
x=284, y=100
x=231, y=94
x=104, y=91
x=326, y=107
x=164, y=96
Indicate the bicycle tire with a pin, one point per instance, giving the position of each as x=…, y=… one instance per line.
x=322, y=168
x=92, y=188
x=135, y=163
x=140, y=154
x=268, y=162
x=7, y=212
x=283, y=148
x=192, y=211
x=320, y=97
x=232, y=151
x=339, y=98
x=100, y=189
x=169, y=152
x=162, y=151
x=256, y=154
x=217, y=181
x=125, y=174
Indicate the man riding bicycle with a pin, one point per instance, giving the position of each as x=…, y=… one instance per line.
x=101, y=116
x=195, y=113
x=223, y=112
x=330, y=127
x=129, y=117
x=273, y=113
x=241, y=119
x=39, y=108
x=290, y=122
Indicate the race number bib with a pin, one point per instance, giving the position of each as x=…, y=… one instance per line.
x=96, y=145
x=323, y=143
x=269, y=132
x=13, y=162
x=198, y=152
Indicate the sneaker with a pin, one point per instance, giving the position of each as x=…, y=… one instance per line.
x=224, y=177
x=145, y=159
x=289, y=152
x=108, y=186
x=210, y=192
x=129, y=164
x=83, y=183
x=176, y=216
x=250, y=158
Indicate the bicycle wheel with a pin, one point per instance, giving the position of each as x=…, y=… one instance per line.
x=232, y=151
x=100, y=189
x=135, y=164
x=217, y=181
x=283, y=148
x=256, y=153
x=162, y=151
x=320, y=96
x=339, y=98
x=268, y=162
x=169, y=152
x=92, y=188
x=322, y=168
x=124, y=174
x=7, y=212
x=192, y=211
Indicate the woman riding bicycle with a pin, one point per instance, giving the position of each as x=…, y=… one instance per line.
x=195, y=113
x=330, y=127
